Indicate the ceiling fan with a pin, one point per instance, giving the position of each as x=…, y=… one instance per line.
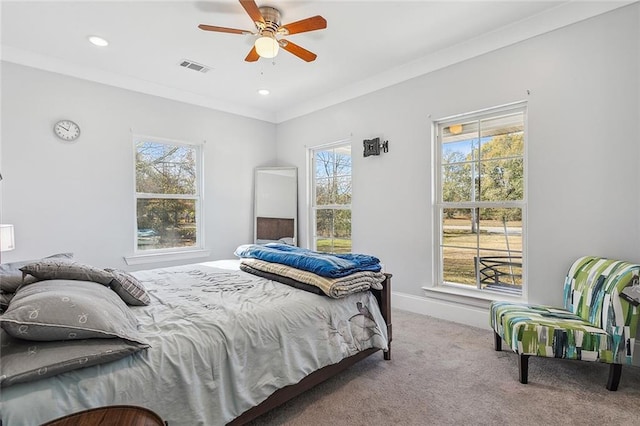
x=268, y=27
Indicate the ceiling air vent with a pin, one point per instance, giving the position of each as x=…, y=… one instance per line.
x=194, y=66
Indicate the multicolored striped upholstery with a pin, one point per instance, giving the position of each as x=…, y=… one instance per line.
x=596, y=324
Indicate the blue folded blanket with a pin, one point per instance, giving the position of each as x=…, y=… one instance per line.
x=323, y=264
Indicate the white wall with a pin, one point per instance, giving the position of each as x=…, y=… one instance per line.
x=581, y=84
x=78, y=197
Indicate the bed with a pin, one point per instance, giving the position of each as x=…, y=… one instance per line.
x=225, y=346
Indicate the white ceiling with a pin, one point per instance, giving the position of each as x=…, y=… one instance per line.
x=367, y=45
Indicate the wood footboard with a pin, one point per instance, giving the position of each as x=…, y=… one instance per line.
x=283, y=395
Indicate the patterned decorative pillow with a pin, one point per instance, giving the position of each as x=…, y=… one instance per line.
x=24, y=361
x=64, y=269
x=68, y=310
x=129, y=288
x=11, y=275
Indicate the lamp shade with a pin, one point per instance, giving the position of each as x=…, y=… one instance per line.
x=7, y=241
x=267, y=47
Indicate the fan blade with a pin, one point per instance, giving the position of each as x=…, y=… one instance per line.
x=252, y=9
x=223, y=29
x=309, y=24
x=253, y=55
x=300, y=52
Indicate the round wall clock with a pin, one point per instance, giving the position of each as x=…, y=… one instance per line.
x=67, y=130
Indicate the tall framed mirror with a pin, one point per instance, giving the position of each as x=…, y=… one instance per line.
x=276, y=205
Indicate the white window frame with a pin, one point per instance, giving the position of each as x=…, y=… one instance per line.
x=461, y=292
x=311, y=180
x=171, y=253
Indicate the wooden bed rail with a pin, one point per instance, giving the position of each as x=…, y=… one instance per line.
x=384, y=301
x=283, y=395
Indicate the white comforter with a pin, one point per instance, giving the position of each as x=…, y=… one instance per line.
x=222, y=341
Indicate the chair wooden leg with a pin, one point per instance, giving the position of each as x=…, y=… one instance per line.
x=615, y=370
x=523, y=368
x=497, y=341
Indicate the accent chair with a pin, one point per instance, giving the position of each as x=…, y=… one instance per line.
x=597, y=323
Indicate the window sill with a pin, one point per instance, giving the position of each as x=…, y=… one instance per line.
x=468, y=297
x=139, y=259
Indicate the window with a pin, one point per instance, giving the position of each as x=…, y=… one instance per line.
x=480, y=207
x=331, y=198
x=168, y=190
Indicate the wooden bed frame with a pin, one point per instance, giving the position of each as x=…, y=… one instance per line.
x=283, y=395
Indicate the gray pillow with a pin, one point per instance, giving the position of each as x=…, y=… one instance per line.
x=5, y=298
x=65, y=269
x=23, y=360
x=68, y=310
x=11, y=275
x=129, y=288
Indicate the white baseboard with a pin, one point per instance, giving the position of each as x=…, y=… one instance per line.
x=460, y=313
x=464, y=314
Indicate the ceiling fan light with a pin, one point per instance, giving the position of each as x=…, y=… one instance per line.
x=267, y=47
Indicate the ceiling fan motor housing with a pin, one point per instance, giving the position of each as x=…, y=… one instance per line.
x=271, y=20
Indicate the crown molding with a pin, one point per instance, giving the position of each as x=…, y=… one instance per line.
x=56, y=65
x=563, y=15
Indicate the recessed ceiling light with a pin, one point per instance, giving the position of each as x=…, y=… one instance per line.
x=98, y=41
x=263, y=92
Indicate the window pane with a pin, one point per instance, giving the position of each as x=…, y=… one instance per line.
x=341, y=245
x=343, y=190
x=343, y=162
x=342, y=224
x=458, y=150
x=331, y=245
x=501, y=180
x=456, y=182
x=460, y=168
x=324, y=223
x=499, y=271
x=502, y=146
x=502, y=125
x=333, y=230
x=165, y=223
x=333, y=162
x=165, y=169
x=332, y=223
x=458, y=265
x=325, y=193
x=458, y=228
x=465, y=131
x=324, y=162
x=501, y=229
x=324, y=245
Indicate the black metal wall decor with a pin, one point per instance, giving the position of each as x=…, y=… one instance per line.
x=374, y=146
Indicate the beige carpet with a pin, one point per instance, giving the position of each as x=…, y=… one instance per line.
x=444, y=373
